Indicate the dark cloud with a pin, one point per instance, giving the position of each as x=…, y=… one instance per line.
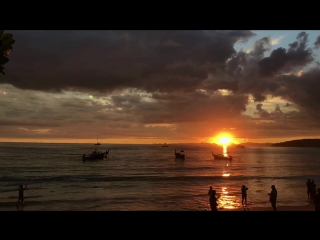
x=25, y=123
x=159, y=84
x=302, y=90
x=282, y=59
x=261, y=112
x=199, y=107
x=257, y=97
x=249, y=61
x=108, y=60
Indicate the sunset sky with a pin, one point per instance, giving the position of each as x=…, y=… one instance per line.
x=161, y=86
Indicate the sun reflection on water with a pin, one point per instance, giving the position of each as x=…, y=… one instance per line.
x=227, y=201
x=225, y=151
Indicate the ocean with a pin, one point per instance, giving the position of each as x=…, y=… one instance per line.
x=149, y=178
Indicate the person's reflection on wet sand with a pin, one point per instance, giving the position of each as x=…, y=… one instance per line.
x=308, y=183
x=313, y=188
x=316, y=201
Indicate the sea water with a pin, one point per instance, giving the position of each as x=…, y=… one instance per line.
x=149, y=177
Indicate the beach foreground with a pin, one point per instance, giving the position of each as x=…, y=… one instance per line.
x=308, y=208
x=279, y=208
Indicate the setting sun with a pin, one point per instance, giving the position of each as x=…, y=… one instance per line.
x=224, y=140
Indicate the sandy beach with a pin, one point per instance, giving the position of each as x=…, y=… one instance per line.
x=279, y=208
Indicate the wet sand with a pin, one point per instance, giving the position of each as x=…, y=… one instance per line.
x=279, y=208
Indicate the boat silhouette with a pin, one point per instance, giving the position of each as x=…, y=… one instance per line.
x=221, y=156
x=179, y=154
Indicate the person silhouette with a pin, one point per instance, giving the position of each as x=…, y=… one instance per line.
x=210, y=192
x=211, y=196
x=20, y=202
x=308, y=183
x=213, y=199
x=316, y=201
x=273, y=197
x=244, y=194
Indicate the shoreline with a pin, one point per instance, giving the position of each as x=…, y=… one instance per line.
x=308, y=208
x=305, y=208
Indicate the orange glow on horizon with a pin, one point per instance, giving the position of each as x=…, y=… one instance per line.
x=147, y=140
x=223, y=139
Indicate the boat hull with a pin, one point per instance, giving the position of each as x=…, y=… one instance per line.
x=221, y=157
x=95, y=156
x=179, y=155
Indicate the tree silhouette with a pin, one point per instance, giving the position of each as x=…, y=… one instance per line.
x=6, y=42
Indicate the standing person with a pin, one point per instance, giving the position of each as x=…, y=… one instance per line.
x=316, y=201
x=273, y=197
x=308, y=183
x=244, y=194
x=21, y=196
x=213, y=199
x=210, y=192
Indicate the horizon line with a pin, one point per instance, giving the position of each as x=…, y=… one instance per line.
x=137, y=143
x=195, y=143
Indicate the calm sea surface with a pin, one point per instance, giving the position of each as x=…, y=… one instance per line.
x=148, y=177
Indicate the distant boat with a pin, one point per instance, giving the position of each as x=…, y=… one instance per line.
x=165, y=145
x=97, y=142
x=95, y=155
x=179, y=154
x=221, y=156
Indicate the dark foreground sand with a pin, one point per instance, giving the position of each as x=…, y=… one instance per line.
x=279, y=208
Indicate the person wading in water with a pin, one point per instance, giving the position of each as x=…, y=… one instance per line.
x=244, y=194
x=20, y=202
x=213, y=199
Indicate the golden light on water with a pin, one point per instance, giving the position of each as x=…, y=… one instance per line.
x=225, y=151
x=227, y=201
x=226, y=174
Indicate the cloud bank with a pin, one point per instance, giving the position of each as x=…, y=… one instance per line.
x=179, y=85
